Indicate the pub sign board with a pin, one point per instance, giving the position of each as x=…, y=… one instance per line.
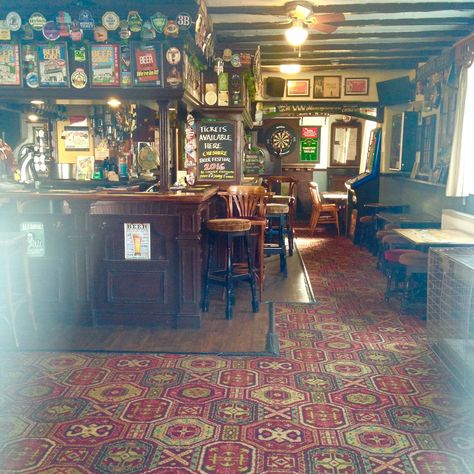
x=216, y=150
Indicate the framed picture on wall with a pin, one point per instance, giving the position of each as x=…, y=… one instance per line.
x=147, y=65
x=327, y=87
x=53, y=65
x=105, y=65
x=356, y=86
x=297, y=88
x=9, y=65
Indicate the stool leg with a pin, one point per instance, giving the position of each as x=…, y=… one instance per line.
x=281, y=237
x=229, y=284
x=253, y=285
x=289, y=233
x=205, y=298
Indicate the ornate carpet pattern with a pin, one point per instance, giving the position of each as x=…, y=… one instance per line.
x=355, y=390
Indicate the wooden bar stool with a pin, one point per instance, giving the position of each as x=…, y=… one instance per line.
x=415, y=266
x=277, y=215
x=15, y=280
x=230, y=231
x=393, y=270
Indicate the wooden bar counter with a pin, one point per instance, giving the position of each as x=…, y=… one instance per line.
x=83, y=277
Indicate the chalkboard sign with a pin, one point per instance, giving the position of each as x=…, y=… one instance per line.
x=216, y=151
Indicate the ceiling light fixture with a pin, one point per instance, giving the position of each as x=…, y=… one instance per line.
x=37, y=102
x=33, y=118
x=297, y=34
x=113, y=102
x=290, y=68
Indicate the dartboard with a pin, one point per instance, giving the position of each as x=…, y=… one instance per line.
x=280, y=140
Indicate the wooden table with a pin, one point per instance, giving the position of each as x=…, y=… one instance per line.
x=436, y=237
x=340, y=199
x=373, y=207
x=420, y=220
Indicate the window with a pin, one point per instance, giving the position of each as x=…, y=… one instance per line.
x=461, y=171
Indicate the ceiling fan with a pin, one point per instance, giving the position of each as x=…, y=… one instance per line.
x=302, y=11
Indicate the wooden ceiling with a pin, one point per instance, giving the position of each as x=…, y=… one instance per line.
x=372, y=34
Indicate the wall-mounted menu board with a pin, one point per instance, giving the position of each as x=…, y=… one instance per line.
x=216, y=150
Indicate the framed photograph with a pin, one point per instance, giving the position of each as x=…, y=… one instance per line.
x=53, y=65
x=356, y=86
x=9, y=65
x=297, y=88
x=327, y=87
x=76, y=138
x=105, y=65
x=147, y=65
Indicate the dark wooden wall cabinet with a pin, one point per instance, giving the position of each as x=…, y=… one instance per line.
x=91, y=272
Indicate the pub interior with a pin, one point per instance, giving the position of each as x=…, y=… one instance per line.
x=146, y=155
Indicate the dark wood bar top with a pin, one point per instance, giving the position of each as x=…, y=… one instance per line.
x=195, y=194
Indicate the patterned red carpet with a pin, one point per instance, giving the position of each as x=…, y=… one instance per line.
x=356, y=390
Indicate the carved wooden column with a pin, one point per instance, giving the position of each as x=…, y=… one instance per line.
x=164, y=128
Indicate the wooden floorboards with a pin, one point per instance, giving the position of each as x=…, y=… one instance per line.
x=245, y=333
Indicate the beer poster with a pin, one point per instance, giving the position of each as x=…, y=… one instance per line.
x=53, y=67
x=35, y=244
x=147, y=66
x=9, y=65
x=137, y=241
x=105, y=65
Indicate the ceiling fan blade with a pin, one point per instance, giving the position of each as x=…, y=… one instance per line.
x=322, y=27
x=328, y=17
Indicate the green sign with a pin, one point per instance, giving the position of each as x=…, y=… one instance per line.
x=309, y=149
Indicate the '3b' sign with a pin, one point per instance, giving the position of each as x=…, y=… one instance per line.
x=183, y=20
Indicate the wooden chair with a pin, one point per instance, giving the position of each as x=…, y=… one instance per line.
x=249, y=202
x=321, y=213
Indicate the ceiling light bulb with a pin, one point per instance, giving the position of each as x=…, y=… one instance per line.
x=113, y=102
x=297, y=34
x=33, y=118
x=290, y=68
x=37, y=102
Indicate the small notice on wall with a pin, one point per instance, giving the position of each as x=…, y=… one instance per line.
x=216, y=150
x=34, y=238
x=137, y=241
x=309, y=144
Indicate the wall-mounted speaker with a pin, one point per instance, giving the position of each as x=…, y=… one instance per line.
x=275, y=86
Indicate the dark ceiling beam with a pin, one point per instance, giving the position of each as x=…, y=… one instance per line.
x=336, y=67
x=366, y=8
x=356, y=63
x=434, y=35
x=355, y=54
x=355, y=46
x=349, y=23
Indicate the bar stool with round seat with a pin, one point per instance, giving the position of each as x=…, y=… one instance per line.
x=366, y=232
x=277, y=215
x=229, y=231
x=393, y=270
x=285, y=189
x=15, y=283
x=415, y=266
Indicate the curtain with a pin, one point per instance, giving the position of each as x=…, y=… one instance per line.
x=461, y=169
